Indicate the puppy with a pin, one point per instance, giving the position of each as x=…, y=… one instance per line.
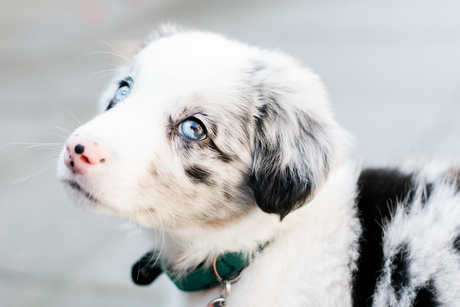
x=233, y=152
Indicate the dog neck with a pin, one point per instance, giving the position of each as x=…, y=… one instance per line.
x=185, y=249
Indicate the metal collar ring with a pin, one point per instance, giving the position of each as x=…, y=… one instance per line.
x=232, y=279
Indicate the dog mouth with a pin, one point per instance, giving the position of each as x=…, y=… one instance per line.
x=78, y=188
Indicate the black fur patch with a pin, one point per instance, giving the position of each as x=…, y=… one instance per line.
x=457, y=180
x=281, y=191
x=426, y=296
x=259, y=120
x=400, y=271
x=457, y=243
x=222, y=156
x=427, y=193
x=198, y=174
x=379, y=190
x=147, y=269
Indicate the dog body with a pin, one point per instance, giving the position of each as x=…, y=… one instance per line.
x=226, y=148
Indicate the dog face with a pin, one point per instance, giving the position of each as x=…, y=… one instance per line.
x=201, y=130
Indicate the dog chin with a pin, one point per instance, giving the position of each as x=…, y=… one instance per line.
x=147, y=217
x=81, y=192
x=89, y=202
x=81, y=196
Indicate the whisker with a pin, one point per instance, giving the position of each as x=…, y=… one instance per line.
x=52, y=133
x=110, y=243
x=120, y=66
x=97, y=73
x=105, y=75
x=39, y=146
x=32, y=144
x=35, y=175
x=162, y=231
x=169, y=210
x=35, y=172
x=74, y=117
x=121, y=55
x=60, y=128
x=53, y=155
x=104, y=52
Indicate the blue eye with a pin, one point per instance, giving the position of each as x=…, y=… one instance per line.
x=192, y=129
x=121, y=93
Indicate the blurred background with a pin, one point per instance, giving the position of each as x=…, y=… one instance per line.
x=392, y=69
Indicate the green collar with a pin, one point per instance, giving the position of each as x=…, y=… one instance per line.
x=201, y=278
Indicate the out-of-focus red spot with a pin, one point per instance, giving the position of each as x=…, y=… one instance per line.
x=89, y=11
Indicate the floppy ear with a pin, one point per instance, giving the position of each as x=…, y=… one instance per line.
x=296, y=140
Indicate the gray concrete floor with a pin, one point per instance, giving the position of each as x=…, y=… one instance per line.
x=392, y=69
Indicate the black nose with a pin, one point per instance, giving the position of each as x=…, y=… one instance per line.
x=79, y=149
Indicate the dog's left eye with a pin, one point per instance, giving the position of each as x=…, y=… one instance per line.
x=192, y=129
x=121, y=93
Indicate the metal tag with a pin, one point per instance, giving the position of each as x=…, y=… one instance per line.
x=225, y=287
x=218, y=302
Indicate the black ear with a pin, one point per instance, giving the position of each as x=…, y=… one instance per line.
x=296, y=140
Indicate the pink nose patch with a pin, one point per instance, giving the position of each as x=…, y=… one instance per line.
x=82, y=154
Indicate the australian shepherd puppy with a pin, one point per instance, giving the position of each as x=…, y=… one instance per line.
x=233, y=152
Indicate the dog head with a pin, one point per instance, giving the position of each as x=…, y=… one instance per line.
x=199, y=129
